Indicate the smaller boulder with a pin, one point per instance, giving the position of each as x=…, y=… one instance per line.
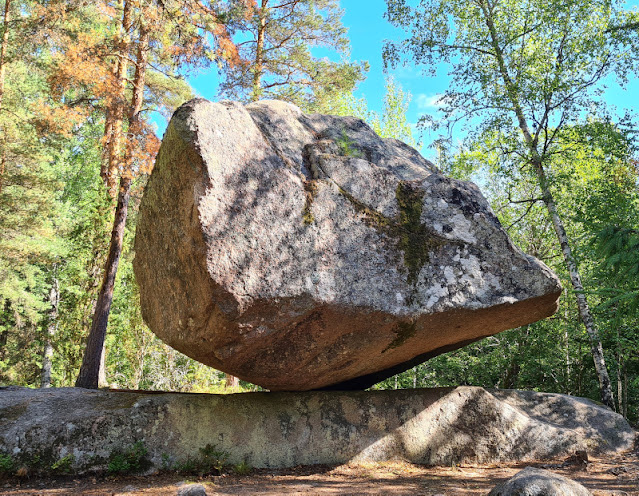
x=192, y=490
x=537, y=482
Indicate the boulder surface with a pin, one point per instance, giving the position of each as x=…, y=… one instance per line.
x=538, y=482
x=443, y=426
x=300, y=252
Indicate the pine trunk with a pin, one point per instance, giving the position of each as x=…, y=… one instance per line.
x=3, y=56
x=258, y=66
x=231, y=382
x=116, y=112
x=47, y=354
x=89, y=371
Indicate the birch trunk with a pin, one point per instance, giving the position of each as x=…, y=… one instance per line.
x=596, y=348
x=47, y=354
x=537, y=161
x=624, y=411
x=102, y=378
x=619, y=383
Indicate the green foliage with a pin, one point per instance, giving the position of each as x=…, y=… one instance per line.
x=64, y=465
x=555, y=54
x=242, y=468
x=211, y=461
x=391, y=123
x=283, y=66
x=347, y=147
x=132, y=460
x=7, y=464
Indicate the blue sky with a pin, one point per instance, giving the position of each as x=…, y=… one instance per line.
x=367, y=31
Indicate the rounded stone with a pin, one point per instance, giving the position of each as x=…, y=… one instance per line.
x=304, y=251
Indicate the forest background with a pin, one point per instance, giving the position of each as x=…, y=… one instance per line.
x=528, y=106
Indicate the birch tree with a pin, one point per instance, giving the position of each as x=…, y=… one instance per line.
x=533, y=65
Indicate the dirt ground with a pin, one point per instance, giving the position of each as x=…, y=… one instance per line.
x=612, y=476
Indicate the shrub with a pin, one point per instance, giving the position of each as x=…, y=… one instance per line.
x=63, y=465
x=132, y=460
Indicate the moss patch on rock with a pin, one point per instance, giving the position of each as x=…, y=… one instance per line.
x=403, y=332
x=413, y=238
x=310, y=188
x=371, y=217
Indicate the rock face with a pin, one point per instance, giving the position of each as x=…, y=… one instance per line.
x=537, y=482
x=303, y=251
x=277, y=430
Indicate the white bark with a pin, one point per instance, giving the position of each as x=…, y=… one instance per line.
x=47, y=354
x=537, y=161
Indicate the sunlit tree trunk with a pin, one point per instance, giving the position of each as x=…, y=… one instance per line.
x=47, y=354
x=258, y=67
x=102, y=377
x=3, y=63
x=89, y=371
x=620, y=383
x=596, y=348
x=113, y=132
x=231, y=382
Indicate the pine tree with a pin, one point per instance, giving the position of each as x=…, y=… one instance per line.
x=275, y=41
x=143, y=34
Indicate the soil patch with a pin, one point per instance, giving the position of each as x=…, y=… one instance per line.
x=617, y=475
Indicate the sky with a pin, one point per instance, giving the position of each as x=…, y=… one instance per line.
x=367, y=30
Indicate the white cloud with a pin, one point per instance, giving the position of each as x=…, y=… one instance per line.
x=427, y=102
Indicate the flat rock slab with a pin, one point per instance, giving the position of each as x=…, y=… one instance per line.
x=279, y=430
x=302, y=252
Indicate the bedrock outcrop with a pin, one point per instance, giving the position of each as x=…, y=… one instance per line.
x=304, y=251
x=281, y=429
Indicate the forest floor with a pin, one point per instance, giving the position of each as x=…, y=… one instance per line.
x=618, y=475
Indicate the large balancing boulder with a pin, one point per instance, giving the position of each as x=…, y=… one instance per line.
x=300, y=252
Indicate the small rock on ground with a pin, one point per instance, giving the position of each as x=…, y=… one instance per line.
x=538, y=482
x=192, y=490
